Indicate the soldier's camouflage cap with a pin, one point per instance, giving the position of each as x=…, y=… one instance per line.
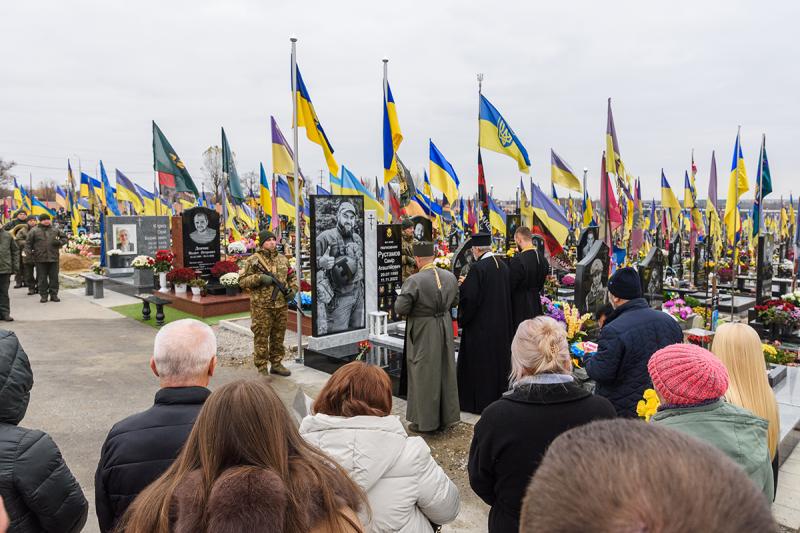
x=346, y=206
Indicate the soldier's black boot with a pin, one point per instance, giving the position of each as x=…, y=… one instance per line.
x=54, y=298
x=43, y=299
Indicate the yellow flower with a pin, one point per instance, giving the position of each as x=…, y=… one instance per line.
x=769, y=349
x=647, y=407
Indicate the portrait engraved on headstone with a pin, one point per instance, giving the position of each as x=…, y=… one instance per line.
x=585, y=242
x=591, y=279
x=201, y=239
x=651, y=275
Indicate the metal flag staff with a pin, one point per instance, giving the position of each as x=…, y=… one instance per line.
x=297, y=266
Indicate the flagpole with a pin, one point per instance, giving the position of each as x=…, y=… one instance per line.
x=735, y=221
x=760, y=185
x=297, y=267
x=386, y=107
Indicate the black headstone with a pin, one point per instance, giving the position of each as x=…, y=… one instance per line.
x=699, y=271
x=462, y=258
x=423, y=229
x=766, y=246
x=591, y=278
x=390, y=266
x=585, y=242
x=675, y=257
x=651, y=274
x=512, y=223
x=453, y=240
x=135, y=235
x=200, y=239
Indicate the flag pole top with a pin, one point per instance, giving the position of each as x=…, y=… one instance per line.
x=293, y=38
x=585, y=169
x=385, y=59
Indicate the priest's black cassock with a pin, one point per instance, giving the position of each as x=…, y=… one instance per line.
x=528, y=271
x=484, y=313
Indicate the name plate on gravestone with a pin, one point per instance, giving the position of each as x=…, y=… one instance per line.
x=766, y=245
x=390, y=266
x=200, y=239
x=135, y=235
x=591, y=279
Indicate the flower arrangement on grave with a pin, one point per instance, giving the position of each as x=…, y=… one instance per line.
x=97, y=269
x=581, y=350
x=197, y=282
x=574, y=322
x=677, y=308
x=648, y=405
x=305, y=299
x=699, y=340
x=775, y=353
x=305, y=286
x=552, y=309
x=114, y=252
x=363, y=348
x=79, y=245
x=237, y=247
x=785, y=269
x=704, y=313
x=551, y=285
x=568, y=280
x=231, y=279
x=777, y=312
x=143, y=262
x=180, y=276
x=725, y=274
x=792, y=298
x=163, y=261
x=221, y=268
x=443, y=261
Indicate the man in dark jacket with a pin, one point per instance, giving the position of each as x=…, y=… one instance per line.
x=629, y=337
x=26, y=262
x=20, y=218
x=141, y=447
x=39, y=491
x=9, y=264
x=44, y=244
x=528, y=270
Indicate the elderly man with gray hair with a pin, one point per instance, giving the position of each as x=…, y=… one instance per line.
x=141, y=447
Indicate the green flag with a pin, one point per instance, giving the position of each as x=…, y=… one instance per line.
x=172, y=174
x=763, y=187
x=229, y=168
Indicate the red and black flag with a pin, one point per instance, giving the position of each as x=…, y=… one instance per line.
x=172, y=174
x=483, y=199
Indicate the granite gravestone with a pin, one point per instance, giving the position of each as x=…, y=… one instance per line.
x=591, y=278
x=699, y=271
x=651, y=275
x=423, y=229
x=764, y=272
x=390, y=266
x=586, y=240
x=453, y=240
x=129, y=236
x=462, y=258
x=200, y=230
x=512, y=223
x=675, y=257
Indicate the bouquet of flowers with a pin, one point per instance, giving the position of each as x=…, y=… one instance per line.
x=163, y=261
x=231, y=279
x=568, y=280
x=113, y=252
x=779, y=312
x=97, y=269
x=237, y=247
x=181, y=275
x=305, y=299
x=677, y=308
x=363, y=348
x=792, y=298
x=443, y=261
x=198, y=282
x=553, y=309
x=648, y=405
x=775, y=354
x=221, y=268
x=143, y=262
x=574, y=322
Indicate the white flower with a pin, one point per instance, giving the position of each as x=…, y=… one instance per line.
x=142, y=261
x=237, y=247
x=113, y=252
x=231, y=279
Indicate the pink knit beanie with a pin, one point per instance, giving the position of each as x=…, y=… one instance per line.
x=686, y=374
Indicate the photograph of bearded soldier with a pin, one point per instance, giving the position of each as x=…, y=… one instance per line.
x=263, y=271
x=339, y=265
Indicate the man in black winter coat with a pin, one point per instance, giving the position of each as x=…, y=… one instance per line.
x=141, y=447
x=631, y=334
x=527, y=272
x=39, y=491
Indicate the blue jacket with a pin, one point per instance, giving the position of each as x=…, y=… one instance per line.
x=631, y=335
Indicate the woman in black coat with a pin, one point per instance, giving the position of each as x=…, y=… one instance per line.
x=38, y=489
x=515, y=431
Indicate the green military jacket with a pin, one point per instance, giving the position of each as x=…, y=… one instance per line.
x=409, y=265
x=9, y=254
x=43, y=243
x=267, y=295
x=21, y=236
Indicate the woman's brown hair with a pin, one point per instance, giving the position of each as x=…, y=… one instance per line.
x=356, y=389
x=245, y=423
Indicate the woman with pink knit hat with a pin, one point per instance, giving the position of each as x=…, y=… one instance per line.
x=690, y=382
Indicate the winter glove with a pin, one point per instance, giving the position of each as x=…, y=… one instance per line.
x=266, y=280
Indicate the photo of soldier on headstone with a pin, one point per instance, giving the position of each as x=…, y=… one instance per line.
x=202, y=233
x=586, y=240
x=337, y=227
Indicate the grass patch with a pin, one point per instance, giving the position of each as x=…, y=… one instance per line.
x=171, y=314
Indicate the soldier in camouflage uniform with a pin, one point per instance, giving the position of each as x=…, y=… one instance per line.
x=340, y=274
x=409, y=264
x=27, y=266
x=267, y=303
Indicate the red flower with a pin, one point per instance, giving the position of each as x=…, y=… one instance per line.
x=221, y=268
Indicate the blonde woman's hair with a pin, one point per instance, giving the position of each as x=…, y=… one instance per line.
x=739, y=348
x=539, y=347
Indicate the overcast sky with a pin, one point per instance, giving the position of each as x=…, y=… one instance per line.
x=85, y=78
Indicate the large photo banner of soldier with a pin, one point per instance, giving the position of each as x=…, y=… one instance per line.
x=337, y=260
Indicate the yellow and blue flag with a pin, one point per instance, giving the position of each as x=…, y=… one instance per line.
x=148, y=201
x=670, y=201
x=443, y=176
x=61, y=197
x=588, y=212
x=285, y=204
x=496, y=135
x=264, y=195
x=321, y=191
x=351, y=185
x=497, y=217
x=307, y=118
x=549, y=221
x=561, y=173
x=126, y=192
x=392, y=136
x=108, y=192
x=39, y=208
x=738, y=184
x=613, y=158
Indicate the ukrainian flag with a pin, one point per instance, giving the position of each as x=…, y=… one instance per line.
x=74, y=213
x=284, y=199
x=670, y=201
x=307, y=118
x=738, y=184
x=443, y=176
x=392, y=136
x=246, y=215
x=108, y=192
x=148, y=201
x=38, y=208
x=86, y=187
x=525, y=209
x=264, y=196
x=588, y=213
x=321, y=191
x=554, y=224
x=61, y=197
x=126, y=192
x=495, y=134
x=228, y=212
x=561, y=173
x=351, y=185
x=497, y=217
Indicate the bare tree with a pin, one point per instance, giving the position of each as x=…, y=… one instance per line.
x=5, y=176
x=46, y=190
x=212, y=168
x=250, y=182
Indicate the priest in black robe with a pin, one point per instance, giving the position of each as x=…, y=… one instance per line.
x=528, y=271
x=484, y=314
